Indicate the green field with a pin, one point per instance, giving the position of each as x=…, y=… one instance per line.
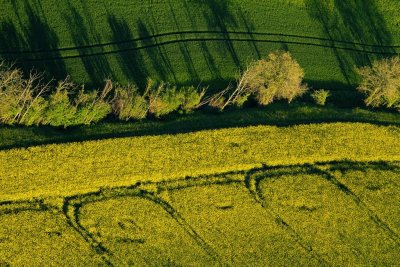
x=186, y=42
x=310, y=215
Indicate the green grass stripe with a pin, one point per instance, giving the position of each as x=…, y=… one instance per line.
x=84, y=167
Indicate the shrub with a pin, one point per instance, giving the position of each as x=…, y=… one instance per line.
x=320, y=96
x=163, y=98
x=381, y=83
x=68, y=108
x=191, y=98
x=128, y=103
x=90, y=107
x=21, y=98
x=35, y=115
x=278, y=76
x=60, y=111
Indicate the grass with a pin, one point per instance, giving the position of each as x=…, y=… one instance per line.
x=285, y=215
x=81, y=167
x=196, y=41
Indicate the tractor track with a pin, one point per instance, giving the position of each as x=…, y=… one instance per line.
x=72, y=204
x=253, y=186
x=167, y=34
x=357, y=200
x=71, y=213
x=123, y=192
x=151, y=42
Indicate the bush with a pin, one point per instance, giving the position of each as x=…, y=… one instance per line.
x=35, y=115
x=68, y=108
x=21, y=100
x=191, y=98
x=91, y=107
x=128, y=103
x=381, y=83
x=60, y=111
x=278, y=76
x=163, y=98
x=320, y=96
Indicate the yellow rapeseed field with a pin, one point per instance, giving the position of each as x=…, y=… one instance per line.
x=339, y=229
x=66, y=169
x=330, y=214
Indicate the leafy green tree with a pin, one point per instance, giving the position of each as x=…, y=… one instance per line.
x=21, y=100
x=163, y=98
x=60, y=111
x=191, y=98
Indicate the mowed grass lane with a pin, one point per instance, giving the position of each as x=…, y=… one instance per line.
x=66, y=169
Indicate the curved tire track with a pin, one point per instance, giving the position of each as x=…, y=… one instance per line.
x=224, y=33
x=253, y=185
x=79, y=201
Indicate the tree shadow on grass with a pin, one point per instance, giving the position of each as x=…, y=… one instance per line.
x=356, y=21
x=83, y=33
x=219, y=17
x=33, y=38
x=131, y=62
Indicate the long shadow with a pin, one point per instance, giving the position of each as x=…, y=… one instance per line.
x=97, y=67
x=131, y=62
x=32, y=35
x=208, y=58
x=157, y=59
x=190, y=66
x=355, y=21
x=219, y=16
x=249, y=27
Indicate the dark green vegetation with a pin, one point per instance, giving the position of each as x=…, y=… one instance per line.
x=186, y=42
x=303, y=215
x=276, y=114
